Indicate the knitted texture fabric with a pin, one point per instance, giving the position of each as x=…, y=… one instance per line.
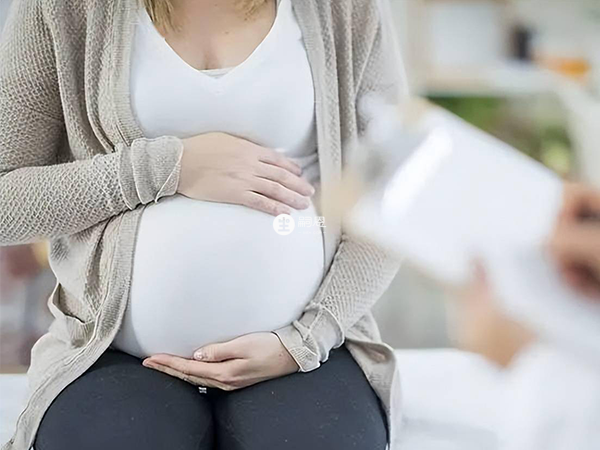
x=42, y=199
x=76, y=170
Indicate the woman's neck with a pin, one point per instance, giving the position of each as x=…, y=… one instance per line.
x=209, y=33
x=211, y=14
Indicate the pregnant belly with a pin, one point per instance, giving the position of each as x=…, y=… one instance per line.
x=209, y=272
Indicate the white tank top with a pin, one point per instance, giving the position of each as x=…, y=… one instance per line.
x=222, y=270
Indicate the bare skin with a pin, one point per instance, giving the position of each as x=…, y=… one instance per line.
x=216, y=34
x=222, y=168
x=484, y=328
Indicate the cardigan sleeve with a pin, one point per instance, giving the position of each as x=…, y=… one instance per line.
x=41, y=198
x=360, y=272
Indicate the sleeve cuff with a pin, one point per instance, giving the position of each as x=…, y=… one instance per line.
x=149, y=170
x=293, y=342
x=310, y=339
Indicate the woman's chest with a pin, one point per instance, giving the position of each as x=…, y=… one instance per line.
x=269, y=101
x=269, y=98
x=210, y=35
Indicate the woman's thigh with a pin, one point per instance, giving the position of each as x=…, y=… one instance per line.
x=118, y=404
x=331, y=408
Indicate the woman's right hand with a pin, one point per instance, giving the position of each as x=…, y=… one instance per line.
x=219, y=167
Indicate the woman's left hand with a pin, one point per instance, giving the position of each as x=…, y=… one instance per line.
x=231, y=365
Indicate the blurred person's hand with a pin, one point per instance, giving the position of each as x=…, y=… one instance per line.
x=222, y=168
x=576, y=240
x=483, y=328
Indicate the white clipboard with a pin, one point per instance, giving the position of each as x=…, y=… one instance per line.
x=461, y=195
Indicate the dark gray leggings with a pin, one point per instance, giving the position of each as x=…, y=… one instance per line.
x=118, y=404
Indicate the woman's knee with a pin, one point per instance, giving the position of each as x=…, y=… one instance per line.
x=333, y=407
x=120, y=404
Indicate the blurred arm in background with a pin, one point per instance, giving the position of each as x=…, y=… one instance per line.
x=575, y=245
x=551, y=394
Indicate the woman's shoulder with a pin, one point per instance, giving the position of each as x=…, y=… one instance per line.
x=360, y=18
x=72, y=12
x=35, y=16
x=55, y=6
x=68, y=21
x=356, y=11
x=353, y=24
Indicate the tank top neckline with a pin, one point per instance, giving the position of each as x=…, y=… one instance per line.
x=221, y=74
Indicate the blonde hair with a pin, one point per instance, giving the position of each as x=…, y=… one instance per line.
x=161, y=11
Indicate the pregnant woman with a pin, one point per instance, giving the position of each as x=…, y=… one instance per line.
x=153, y=144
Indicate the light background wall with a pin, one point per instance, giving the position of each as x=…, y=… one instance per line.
x=4, y=4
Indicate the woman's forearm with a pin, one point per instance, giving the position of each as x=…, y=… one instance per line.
x=360, y=273
x=44, y=202
x=39, y=198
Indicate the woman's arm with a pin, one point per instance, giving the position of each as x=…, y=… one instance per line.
x=39, y=198
x=360, y=272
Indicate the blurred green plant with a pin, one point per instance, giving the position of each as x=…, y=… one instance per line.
x=535, y=126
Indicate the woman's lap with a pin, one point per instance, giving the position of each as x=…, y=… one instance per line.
x=333, y=407
x=120, y=404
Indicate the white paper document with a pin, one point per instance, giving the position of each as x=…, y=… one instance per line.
x=462, y=195
x=458, y=195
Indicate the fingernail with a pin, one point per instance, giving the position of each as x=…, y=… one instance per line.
x=147, y=363
x=199, y=355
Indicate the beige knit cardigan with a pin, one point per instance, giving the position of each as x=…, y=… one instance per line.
x=76, y=170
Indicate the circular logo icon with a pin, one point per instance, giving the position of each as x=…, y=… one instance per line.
x=284, y=224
